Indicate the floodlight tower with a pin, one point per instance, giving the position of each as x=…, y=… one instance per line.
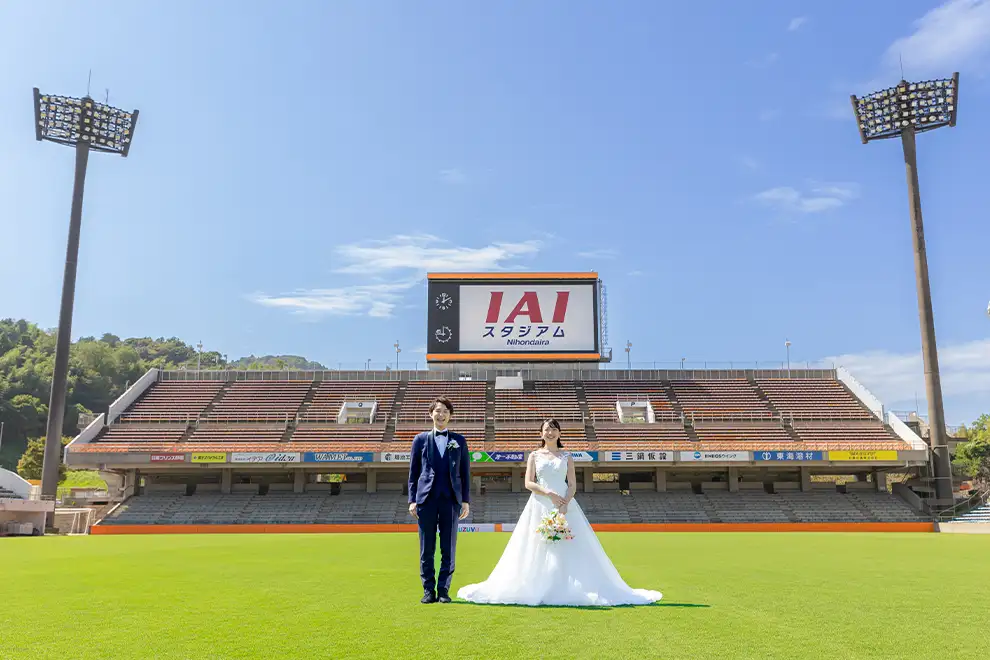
x=86, y=125
x=903, y=111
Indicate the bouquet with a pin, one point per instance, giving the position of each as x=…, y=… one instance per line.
x=553, y=528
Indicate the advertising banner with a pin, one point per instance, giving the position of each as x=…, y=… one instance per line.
x=508, y=527
x=168, y=458
x=774, y=455
x=660, y=456
x=264, y=457
x=498, y=456
x=338, y=457
x=468, y=527
x=208, y=457
x=714, y=456
x=888, y=455
x=584, y=456
x=396, y=456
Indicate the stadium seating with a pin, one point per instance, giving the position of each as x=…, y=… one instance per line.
x=332, y=394
x=254, y=399
x=404, y=434
x=119, y=438
x=302, y=415
x=553, y=398
x=978, y=515
x=802, y=398
x=602, y=395
x=677, y=506
x=614, y=437
x=467, y=397
x=845, y=435
x=336, y=437
x=720, y=399
x=516, y=437
x=173, y=400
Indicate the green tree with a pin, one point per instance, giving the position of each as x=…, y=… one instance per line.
x=973, y=456
x=31, y=463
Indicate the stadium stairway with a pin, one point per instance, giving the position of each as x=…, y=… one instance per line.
x=980, y=514
x=589, y=424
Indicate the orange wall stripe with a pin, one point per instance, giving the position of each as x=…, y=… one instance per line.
x=111, y=530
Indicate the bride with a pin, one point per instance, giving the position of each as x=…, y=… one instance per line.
x=573, y=572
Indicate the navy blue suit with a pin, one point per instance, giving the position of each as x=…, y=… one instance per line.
x=438, y=485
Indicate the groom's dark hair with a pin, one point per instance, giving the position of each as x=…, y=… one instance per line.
x=446, y=403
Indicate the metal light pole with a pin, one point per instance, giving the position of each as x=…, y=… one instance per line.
x=397, y=351
x=903, y=111
x=683, y=359
x=199, y=355
x=86, y=125
x=628, y=355
x=787, y=345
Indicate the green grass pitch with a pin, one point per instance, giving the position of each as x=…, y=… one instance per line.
x=738, y=595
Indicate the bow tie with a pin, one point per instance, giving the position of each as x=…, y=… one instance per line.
x=441, y=434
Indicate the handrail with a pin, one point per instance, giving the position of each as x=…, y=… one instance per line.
x=978, y=498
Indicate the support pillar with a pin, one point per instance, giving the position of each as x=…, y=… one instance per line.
x=372, y=481
x=298, y=481
x=226, y=479
x=660, y=480
x=733, y=480
x=131, y=483
x=517, y=480
x=589, y=479
x=805, y=479
x=476, y=485
x=879, y=481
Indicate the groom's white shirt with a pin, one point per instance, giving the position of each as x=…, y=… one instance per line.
x=441, y=440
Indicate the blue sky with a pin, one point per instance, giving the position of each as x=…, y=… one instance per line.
x=299, y=166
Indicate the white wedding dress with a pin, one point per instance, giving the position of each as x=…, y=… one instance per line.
x=535, y=572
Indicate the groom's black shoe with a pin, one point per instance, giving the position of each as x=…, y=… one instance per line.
x=443, y=597
x=429, y=597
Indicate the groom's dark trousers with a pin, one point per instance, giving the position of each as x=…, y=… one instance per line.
x=438, y=513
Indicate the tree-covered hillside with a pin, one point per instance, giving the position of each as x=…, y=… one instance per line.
x=99, y=371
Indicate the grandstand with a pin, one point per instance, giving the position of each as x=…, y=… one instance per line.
x=658, y=446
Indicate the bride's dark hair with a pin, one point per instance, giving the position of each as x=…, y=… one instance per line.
x=550, y=421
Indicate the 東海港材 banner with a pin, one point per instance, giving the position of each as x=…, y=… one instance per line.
x=777, y=455
x=513, y=317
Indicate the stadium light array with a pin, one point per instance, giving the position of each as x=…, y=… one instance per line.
x=902, y=111
x=86, y=125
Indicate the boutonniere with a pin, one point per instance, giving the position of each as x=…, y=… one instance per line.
x=452, y=444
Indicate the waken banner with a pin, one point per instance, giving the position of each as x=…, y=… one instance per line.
x=338, y=457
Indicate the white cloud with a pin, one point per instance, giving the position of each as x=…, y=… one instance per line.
x=453, y=176
x=603, y=253
x=953, y=36
x=796, y=23
x=423, y=253
x=899, y=377
x=404, y=259
x=818, y=198
x=749, y=163
x=375, y=300
x=763, y=61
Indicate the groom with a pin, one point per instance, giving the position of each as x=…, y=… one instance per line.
x=439, y=490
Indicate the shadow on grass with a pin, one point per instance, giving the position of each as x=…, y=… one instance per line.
x=579, y=607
